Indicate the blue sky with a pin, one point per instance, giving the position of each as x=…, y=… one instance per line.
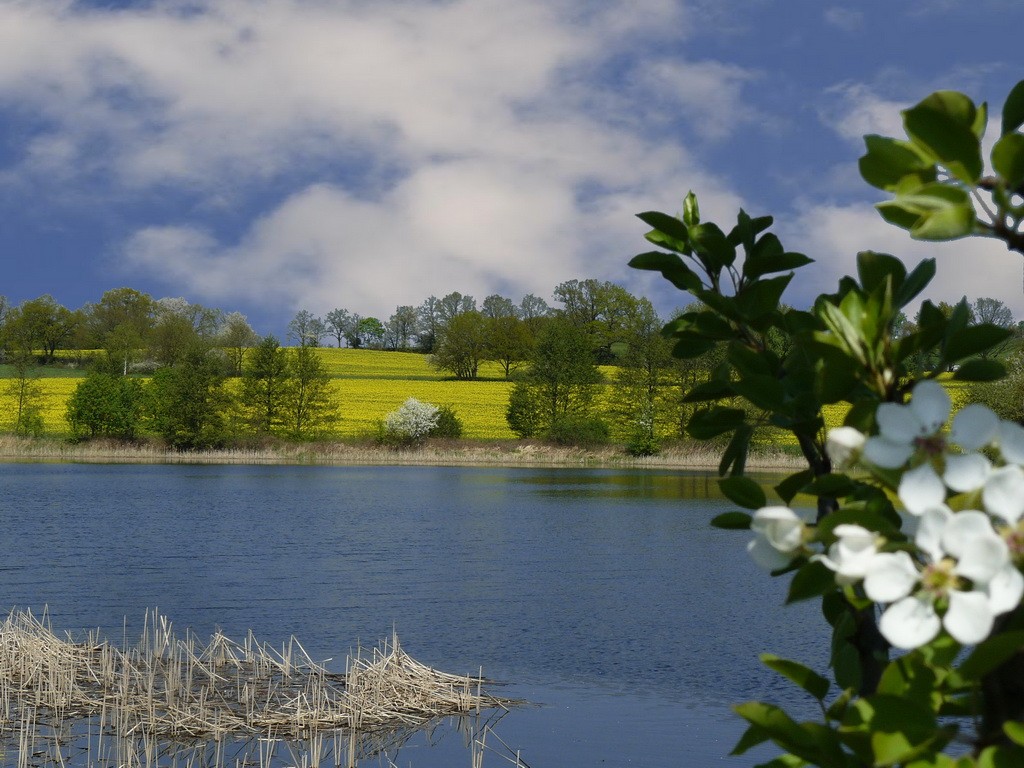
x=272, y=155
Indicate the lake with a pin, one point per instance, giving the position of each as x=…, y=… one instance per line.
x=602, y=595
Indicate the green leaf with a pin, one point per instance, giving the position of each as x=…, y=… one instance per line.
x=691, y=212
x=759, y=298
x=973, y=340
x=709, y=391
x=847, y=667
x=667, y=224
x=713, y=422
x=811, y=580
x=900, y=729
x=765, y=392
x=1014, y=731
x=689, y=346
x=732, y=521
x=943, y=212
x=1009, y=756
x=914, y=283
x=991, y=653
x=793, y=484
x=865, y=518
x=1008, y=159
x=1013, y=109
x=710, y=243
x=743, y=491
x=746, y=361
x=888, y=161
x=942, y=126
x=671, y=267
x=873, y=268
x=751, y=737
x=980, y=370
x=806, y=678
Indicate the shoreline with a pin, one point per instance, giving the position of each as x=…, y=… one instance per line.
x=440, y=453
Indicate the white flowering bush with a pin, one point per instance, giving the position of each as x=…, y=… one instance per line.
x=913, y=533
x=410, y=423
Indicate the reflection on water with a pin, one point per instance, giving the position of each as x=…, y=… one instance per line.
x=585, y=588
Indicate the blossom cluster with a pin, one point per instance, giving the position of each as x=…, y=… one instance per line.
x=963, y=568
x=413, y=419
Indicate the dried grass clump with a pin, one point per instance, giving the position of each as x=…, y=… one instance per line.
x=170, y=701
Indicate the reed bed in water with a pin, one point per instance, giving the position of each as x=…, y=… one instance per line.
x=176, y=702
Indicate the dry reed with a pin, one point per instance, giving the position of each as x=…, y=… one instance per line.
x=176, y=702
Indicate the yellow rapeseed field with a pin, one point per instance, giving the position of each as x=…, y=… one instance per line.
x=368, y=384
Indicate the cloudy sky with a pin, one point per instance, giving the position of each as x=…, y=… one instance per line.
x=272, y=155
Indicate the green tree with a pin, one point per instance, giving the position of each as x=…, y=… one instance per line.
x=104, y=405
x=265, y=386
x=508, y=341
x=602, y=310
x=462, y=346
x=187, y=402
x=306, y=329
x=235, y=337
x=41, y=324
x=308, y=408
x=641, y=401
x=561, y=380
x=26, y=395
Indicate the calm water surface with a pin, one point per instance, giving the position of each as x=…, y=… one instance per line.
x=604, y=595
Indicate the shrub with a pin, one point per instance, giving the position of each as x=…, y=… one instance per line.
x=409, y=424
x=578, y=431
x=642, y=443
x=523, y=413
x=448, y=423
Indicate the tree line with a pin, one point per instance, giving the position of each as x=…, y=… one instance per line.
x=554, y=355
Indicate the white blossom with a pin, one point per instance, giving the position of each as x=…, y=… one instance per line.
x=844, y=445
x=968, y=568
x=904, y=429
x=779, y=535
x=851, y=554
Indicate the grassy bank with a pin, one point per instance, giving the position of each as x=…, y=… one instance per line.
x=510, y=453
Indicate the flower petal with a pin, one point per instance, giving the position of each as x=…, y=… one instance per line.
x=921, y=488
x=1011, y=441
x=962, y=527
x=974, y=427
x=969, y=617
x=1003, y=494
x=886, y=453
x=843, y=445
x=780, y=526
x=930, y=403
x=982, y=557
x=890, y=576
x=966, y=472
x=910, y=623
x=1005, y=589
x=766, y=555
x=929, y=531
x=898, y=423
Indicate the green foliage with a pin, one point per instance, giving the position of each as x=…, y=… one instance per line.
x=525, y=411
x=855, y=347
x=186, y=403
x=104, y=405
x=265, y=387
x=578, y=431
x=308, y=408
x=448, y=425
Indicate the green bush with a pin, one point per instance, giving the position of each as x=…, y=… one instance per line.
x=643, y=444
x=578, y=431
x=448, y=423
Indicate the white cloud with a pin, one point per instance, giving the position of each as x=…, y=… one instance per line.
x=854, y=109
x=412, y=147
x=834, y=234
x=845, y=19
